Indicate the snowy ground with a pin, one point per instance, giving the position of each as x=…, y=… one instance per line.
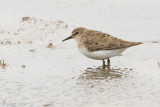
x=41, y=71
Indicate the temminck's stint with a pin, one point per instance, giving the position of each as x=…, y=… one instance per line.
x=98, y=45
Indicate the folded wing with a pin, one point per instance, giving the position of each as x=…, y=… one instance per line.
x=95, y=40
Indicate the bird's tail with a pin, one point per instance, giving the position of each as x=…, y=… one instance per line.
x=136, y=43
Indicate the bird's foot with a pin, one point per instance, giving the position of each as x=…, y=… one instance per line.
x=106, y=66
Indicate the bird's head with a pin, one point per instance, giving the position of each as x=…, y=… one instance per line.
x=77, y=32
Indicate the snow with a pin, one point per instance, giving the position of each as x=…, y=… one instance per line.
x=36, y=75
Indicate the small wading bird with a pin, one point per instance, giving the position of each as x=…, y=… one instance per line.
x=98, y=45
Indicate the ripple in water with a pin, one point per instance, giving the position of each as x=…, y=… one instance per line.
x=98, y=73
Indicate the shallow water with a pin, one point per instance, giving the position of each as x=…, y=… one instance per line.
x=118, y=87
x=74, y=80
x=51, y=78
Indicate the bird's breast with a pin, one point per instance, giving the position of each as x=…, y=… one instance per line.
x=101, y=54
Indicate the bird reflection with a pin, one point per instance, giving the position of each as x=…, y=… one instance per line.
x=103, y=73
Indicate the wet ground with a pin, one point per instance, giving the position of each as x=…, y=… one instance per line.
x=61, y=76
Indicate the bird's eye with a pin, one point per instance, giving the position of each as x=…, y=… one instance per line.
x=76, y=32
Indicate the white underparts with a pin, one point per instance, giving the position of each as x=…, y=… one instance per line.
x=101, y=54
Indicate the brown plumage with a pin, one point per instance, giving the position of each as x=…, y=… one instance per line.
x=103, y=41
x=96, y=40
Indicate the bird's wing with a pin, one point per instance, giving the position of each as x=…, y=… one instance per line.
x=95, y=40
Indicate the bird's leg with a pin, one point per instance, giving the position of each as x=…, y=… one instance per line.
x=108, y=65
x=108, y=62
x=103, y=64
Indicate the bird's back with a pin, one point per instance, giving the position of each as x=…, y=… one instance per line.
x=96, y=40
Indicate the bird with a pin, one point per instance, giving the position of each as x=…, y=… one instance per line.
x=99, y=45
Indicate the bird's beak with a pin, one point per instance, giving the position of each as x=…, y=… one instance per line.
x=70, y=37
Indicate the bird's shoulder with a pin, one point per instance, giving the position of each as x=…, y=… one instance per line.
x=97, y=40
